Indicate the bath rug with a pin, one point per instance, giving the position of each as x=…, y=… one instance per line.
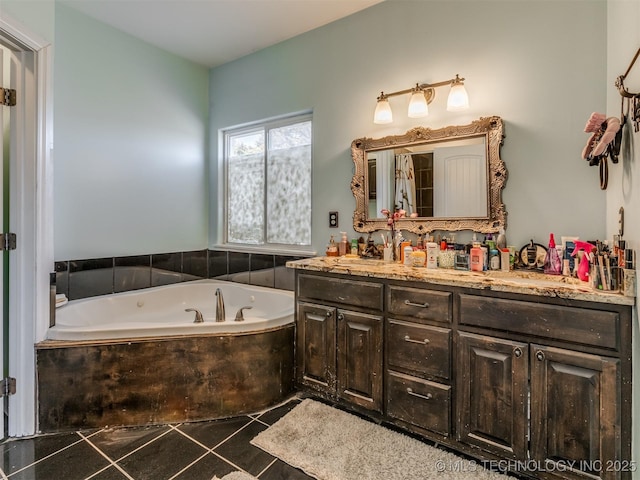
x=236, y=476
x=330, y=444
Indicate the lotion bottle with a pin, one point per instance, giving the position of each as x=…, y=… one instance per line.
x=476, y=258
x=342, y=246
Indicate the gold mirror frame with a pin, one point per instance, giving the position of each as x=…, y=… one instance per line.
x=491, y=127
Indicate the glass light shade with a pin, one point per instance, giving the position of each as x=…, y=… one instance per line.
x=458, y=98
x=383, y=112
x=418, y=106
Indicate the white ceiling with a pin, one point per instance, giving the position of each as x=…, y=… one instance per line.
x=213, y=32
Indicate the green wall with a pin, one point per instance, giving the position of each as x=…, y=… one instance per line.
x=537, y=64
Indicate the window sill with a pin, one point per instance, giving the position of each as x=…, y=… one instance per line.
x=302, y=252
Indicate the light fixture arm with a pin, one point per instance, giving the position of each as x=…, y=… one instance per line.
x=418, y=106
x=426, y=87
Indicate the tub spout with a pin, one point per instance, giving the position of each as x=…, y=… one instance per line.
x=239, y=315
x=199, y=317
x=219, y=306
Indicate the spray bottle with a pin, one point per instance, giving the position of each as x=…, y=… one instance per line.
x=583, y=268
x=552, y=263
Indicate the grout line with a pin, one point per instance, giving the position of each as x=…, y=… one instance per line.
x=48, y=456
x=111, y=462
x=275, y=459
x=144, y=445
x=189, y=466
x=211, y=450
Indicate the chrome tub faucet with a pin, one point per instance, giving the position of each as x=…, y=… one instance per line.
x=219, y=306
x=239, y=315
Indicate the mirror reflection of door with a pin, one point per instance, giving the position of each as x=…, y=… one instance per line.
x=460, y=187
x=438, y=180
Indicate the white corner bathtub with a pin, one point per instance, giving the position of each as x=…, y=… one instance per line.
x=160, y=311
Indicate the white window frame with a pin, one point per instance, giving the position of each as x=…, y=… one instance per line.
x=268, y=248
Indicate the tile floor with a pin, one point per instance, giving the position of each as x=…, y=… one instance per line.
x=187, y=451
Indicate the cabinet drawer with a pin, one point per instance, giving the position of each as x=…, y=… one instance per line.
x=419, y=304
x=422, y=349
x=419, y=402
x=577, y=325
x=349, y=292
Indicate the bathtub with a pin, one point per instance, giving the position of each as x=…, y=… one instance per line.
x=138, y=358
x=160, y=311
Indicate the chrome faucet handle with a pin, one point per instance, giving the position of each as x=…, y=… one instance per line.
x=199, y=317
x=239, y=315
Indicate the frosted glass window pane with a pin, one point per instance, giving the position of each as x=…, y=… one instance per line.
x=269, y=183
x=289, y=185
x=245, y=205
x=289, y=196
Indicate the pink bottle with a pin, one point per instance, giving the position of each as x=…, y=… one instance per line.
x=552, y=262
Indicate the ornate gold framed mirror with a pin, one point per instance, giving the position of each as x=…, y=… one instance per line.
x=447, y=179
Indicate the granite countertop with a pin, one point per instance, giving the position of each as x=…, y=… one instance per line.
x=516, y=281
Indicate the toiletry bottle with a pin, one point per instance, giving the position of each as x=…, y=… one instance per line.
x=476, y=258
x=501, y=241
x=552, y=263
x=432, y=255
x=494, y=259
x=354, y=246
x=342, y=246
x=406, y=255
x=583, y=268
x=332, y=248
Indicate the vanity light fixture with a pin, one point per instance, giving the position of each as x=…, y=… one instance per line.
x=421, y=96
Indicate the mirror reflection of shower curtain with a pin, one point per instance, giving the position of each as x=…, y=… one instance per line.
x=405, y=184
x=385, y=165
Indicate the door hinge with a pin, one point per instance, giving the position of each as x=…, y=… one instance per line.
x=8, y=241
x=7, y=386
x=8, y=97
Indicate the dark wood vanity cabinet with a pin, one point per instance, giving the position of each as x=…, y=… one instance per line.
x=546, y=386
x=418, y=358
x=339, y=349
x=542, y=382
x=492, y=388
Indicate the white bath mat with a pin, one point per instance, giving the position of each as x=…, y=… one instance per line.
x=330, y=444
x=236, y=476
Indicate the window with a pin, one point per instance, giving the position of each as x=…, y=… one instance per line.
x=268, y=183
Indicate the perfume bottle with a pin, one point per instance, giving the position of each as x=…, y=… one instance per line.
x=552, y=262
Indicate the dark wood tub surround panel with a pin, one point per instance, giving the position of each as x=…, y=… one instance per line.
x=160, y=380
x=501, y=376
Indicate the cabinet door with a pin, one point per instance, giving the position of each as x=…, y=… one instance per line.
x=575, y=411
x=359, y=369
x=492, y=385
x=315, y=351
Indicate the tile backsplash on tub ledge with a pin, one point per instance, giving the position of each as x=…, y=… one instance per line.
x=100, y=276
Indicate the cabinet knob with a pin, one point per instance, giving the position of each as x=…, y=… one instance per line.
x=329, y=313
x=517, y=352
x=428, y=396
x=540, y=355
x=340, y=317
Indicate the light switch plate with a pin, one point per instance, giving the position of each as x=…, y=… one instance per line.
x=333, y=219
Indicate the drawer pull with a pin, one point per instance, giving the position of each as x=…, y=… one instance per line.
x=428, y=396
x=540, y=355
x=329, y=314
x=407, y=338
x=340, y=317
x=517, y=352
x=420, y=305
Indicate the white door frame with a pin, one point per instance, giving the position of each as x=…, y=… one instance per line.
x=31, y=218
